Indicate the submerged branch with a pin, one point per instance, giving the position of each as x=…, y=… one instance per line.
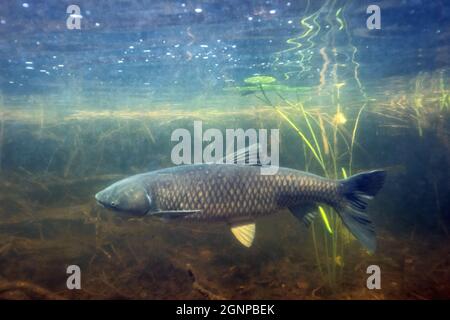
x=30, y=289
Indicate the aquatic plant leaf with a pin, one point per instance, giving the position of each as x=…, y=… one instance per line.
x=325, y=219
x=260, y=80
x=245, y=90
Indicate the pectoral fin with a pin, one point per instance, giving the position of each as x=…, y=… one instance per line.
x=174, y=214
x=245, y=233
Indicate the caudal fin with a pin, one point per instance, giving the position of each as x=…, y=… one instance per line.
x=356, y=190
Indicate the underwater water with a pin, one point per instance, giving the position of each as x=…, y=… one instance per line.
x=81, y=108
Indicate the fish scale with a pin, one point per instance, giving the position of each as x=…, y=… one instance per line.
x=229, y=192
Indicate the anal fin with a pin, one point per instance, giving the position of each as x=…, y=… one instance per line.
x=244, y=233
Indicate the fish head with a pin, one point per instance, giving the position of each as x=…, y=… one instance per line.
x=127, y=196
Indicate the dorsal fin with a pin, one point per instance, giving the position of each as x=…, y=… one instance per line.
x=245, y=233
x=247, y=155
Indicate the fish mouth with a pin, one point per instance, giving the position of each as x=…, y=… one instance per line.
x=107, y=206
x=101, y=203
x=98, y=200
x=124, y=213
x=104, y=205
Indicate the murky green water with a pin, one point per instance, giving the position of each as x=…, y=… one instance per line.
x=81, y=109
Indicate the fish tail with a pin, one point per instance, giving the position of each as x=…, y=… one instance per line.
x=355, y=191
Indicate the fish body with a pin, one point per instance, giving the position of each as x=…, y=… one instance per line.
x=239, y=194
x=226, y=193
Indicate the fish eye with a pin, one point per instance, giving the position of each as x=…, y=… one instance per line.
x=113, y=204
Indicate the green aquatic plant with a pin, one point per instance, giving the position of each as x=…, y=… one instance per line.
x=417, y=105
x=310, y=127
x=265, y=84
x=258, y=83
x=423, y=107
x=328, y=134
x=321, y=133
x=251, y=89
x=444, y=94
x=259, y=80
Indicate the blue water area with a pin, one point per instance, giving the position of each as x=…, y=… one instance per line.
x=92, y=91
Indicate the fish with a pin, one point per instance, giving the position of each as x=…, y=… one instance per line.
x=238, y=194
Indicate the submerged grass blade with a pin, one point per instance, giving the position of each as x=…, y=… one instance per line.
x=323, y=132
x=317, y=150
x=312, y=132
x=355, y=128
x=344, y=173
x=325, y=219
x=316, y=250
x=304, y=138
